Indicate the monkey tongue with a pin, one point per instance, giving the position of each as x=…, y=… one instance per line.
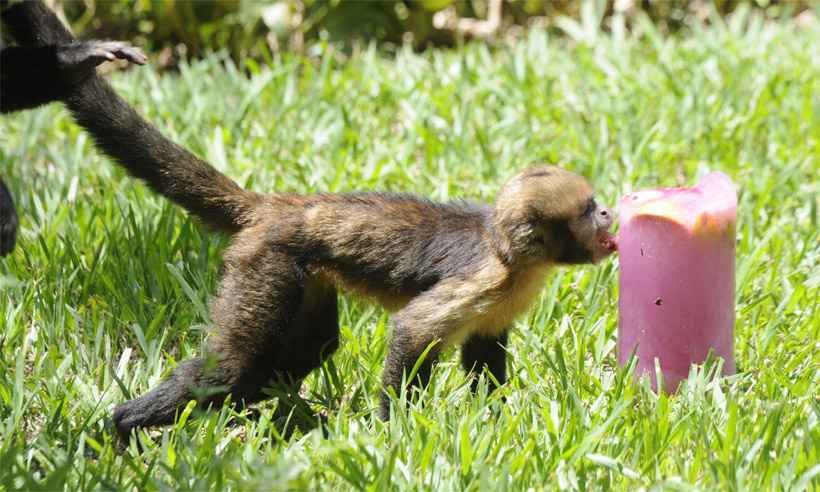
x=608, y=241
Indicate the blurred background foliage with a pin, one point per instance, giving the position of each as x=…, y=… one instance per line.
x=254, y=29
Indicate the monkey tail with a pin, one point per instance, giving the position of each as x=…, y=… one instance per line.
x=124, y=135
x=166, y=167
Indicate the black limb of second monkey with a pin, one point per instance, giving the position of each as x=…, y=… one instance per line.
x=43, y=67
x=8, y=220
x=46, y=61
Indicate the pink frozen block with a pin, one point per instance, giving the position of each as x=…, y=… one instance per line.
x=677, y=277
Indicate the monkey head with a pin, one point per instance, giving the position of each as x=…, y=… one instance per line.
x=549, y=214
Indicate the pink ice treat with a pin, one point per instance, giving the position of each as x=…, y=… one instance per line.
x=677, y=277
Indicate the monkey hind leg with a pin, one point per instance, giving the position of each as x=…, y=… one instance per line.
x=316, y=338
x=208, y=380
x=275, y=324
x=258, y=298
x=313, y=335
x=8, y=221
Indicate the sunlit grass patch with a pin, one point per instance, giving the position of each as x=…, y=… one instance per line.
x=108, y=288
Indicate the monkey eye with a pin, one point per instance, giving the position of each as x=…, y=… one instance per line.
x=591, y=206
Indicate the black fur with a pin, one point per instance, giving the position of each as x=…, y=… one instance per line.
x=486, y=353
x=8, y=220
x=570, y=251
x=47, y=61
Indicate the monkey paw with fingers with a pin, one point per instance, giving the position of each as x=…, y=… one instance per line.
x=79, y=59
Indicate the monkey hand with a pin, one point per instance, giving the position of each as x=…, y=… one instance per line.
x=8, y=221
x=77, y=60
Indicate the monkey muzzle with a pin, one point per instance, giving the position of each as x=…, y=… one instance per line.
x=607, y=242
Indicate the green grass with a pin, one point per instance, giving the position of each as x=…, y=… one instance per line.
x=109, y=285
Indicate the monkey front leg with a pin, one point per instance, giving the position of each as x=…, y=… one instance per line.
x=433, y=319
x=485, y=352
x=407, y=345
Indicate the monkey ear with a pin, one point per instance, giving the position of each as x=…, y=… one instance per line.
x=502, y=245
x=514, y=231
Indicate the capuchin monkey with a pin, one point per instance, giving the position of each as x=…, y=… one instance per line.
x=39, y=70
x=451, y=273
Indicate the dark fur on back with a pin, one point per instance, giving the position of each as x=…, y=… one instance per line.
x=398, y=244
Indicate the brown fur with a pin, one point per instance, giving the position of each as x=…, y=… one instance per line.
x=454, y=272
